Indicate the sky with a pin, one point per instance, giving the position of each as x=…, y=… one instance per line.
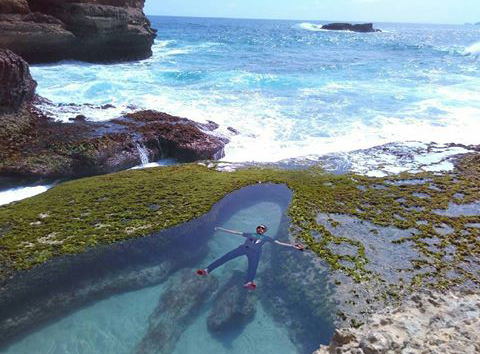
x=419, y=11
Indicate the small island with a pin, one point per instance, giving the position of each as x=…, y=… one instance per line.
x=362, y=27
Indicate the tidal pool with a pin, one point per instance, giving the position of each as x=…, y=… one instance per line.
x=142, y=296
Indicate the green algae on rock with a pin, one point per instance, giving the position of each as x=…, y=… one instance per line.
x=84, y=213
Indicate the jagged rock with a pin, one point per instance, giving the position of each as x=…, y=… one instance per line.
x=33, y=145
x=176, y=308
x=233, y=306
x=427, y=323
x=90, y=30
x=16, y=84
x=364, y=27
x=14, y=7
x=233, y=130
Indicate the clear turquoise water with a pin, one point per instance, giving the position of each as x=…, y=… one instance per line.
x=290, y=88
x=116, y=324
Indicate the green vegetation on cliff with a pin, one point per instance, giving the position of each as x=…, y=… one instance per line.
x=88, y=212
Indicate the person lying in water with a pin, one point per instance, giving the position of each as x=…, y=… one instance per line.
x=252, y=248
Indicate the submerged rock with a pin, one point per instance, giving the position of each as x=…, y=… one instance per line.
x=90, y=30
x=16, y=84
x=296, y=294
x=364, y=27
x=427, y=323
x=233, y=307
x=175, y=310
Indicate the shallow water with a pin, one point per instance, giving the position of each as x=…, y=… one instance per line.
x=116, y=324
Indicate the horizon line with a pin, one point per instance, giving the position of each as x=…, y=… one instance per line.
x=296, y=19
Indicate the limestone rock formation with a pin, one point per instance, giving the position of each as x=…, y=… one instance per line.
x=427, y=323
x=90, y=30
x=16, y=84
x=364, y=27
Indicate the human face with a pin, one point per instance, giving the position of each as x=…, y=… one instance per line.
x=261, y=230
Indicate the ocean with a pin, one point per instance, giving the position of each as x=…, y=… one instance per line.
x=290, y=88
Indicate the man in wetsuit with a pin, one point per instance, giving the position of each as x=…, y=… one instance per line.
x=252, y=248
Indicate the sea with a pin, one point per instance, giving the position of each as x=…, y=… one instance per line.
x=290, y=88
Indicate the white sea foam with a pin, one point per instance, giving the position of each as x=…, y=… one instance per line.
x=310, y=27
x=474, y=50
x=14, y=194
x=163, y=162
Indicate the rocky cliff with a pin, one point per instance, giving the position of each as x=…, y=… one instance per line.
x=16, y=84
x=90, y=30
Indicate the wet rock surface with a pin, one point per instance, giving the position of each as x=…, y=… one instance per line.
x=90, y=30
x=427, y=323
x=363, y=27
x=176, y=308
x=34, y=145
x=17, y=87
x=233, y=307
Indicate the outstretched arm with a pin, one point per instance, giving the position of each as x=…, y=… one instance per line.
x=297, y=246
x=229, y=231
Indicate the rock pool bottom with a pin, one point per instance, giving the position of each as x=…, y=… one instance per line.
x=187, y=314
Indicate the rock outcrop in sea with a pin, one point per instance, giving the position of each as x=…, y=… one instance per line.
x=428, y=322
x=363, y=27
x=32, y=144
x=90, y=30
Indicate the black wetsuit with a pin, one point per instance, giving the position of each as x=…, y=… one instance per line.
x=252, y=248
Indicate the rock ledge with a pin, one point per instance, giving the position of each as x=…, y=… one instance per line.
x=427, y=323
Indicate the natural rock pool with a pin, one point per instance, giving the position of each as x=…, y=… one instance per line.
x=142, y=296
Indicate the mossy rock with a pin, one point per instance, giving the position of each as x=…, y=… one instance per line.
x=84, y=213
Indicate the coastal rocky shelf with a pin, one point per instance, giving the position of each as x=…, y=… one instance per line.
x=34, y=145
x=429, y=322
x=91, y=30
x=371, y=240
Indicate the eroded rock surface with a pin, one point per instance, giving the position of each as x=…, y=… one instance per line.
x=233, y=307
x=31, y=144
x=90, y=30
x=176, y=308
x=16, y=84
x=427, y=323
